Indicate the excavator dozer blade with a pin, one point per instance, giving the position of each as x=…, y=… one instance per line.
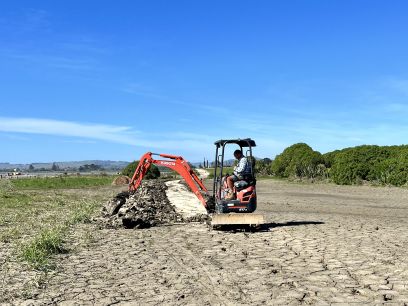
x=237, y=219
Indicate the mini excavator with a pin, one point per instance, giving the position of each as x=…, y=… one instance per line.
x=238, y=211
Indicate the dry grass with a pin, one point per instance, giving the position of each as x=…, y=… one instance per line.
x=34, y=225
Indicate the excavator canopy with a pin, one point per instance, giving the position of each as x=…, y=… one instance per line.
x=246, y=142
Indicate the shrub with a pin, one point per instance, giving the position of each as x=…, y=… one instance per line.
x=384, y=164
x=393, y=171
x=152, y=173
x=263, y=166
x=298, y=160
x=328, y=158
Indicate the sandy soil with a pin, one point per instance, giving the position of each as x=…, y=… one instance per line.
x=326, y=244
x=185, y=202
x=202, y=173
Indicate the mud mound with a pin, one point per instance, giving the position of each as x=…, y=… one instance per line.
x=148, y=206
x=121, y=180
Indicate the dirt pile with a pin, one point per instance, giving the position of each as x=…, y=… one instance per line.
x=121, y=180
x=148, y=206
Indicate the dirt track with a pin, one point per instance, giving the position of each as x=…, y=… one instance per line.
x=326, y=244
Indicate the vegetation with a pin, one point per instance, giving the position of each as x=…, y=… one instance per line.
x=385, y=165
x=62, y=182
x=298, y=160
x=38, y=251
x=263, y=167
x=36, y=220
x=5, y=187
x=379, y=164
x=90, y=167
x=51, y=240
x=55, y=167
x=225, y=170
x=152, y=173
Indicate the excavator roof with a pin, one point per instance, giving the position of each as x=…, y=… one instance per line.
x=245, y=142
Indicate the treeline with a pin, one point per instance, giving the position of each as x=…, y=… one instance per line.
x=380, y=164
x=130, y=169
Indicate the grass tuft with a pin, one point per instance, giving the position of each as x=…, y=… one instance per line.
x=83, y=212
x=50, y=241
x=38, y=252
x=5, y=187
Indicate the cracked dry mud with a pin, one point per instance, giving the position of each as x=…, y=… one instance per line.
x=326, y=245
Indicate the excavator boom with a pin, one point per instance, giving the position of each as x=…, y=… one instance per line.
x=176, y=163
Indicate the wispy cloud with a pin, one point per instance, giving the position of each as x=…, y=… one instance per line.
x=147, y=91
x=195, y=144
x=112, y=133
x=142, y=90
x=54, y=61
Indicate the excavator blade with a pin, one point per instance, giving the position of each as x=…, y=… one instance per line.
x=237, y=219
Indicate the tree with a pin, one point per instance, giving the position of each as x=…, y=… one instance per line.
x=298, y=160
x=263, y=166
x=130, y=169
x=384, y=164
x=90, y=167
x=55, y=167
x=31, y=168
x=353, y=165
x=393, y=171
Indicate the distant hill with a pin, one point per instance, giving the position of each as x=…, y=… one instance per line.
x=67, y=165
x=74, y=165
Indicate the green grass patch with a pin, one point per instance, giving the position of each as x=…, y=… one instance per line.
x=62, y=182
x=15, y=200
x=38, y=251
x=225, y=170
x=268, y=177
x=8, y=235
x=82, y=213
x=37, y=214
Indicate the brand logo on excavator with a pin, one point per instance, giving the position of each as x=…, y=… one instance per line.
x=165, y=163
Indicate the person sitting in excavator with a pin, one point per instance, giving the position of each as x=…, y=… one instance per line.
x=240, y=170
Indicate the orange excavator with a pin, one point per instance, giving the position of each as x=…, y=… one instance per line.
x=238, y=211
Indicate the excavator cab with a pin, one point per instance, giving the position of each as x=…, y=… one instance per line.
x=240, y=209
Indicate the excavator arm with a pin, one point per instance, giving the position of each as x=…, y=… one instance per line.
x=176, y=163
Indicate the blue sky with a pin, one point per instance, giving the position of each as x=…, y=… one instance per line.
x=112, y=80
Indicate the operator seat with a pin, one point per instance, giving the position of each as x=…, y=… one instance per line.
x=247, y=181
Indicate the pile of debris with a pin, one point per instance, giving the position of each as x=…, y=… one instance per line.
x=146, y=207
x=121, y=180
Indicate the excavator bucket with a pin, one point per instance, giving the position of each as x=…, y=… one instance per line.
x=237, y=219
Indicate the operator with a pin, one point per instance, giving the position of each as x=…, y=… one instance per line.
x=241, y=169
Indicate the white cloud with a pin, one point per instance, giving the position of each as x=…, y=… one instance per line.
x=112, y=133
x=178, y=143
